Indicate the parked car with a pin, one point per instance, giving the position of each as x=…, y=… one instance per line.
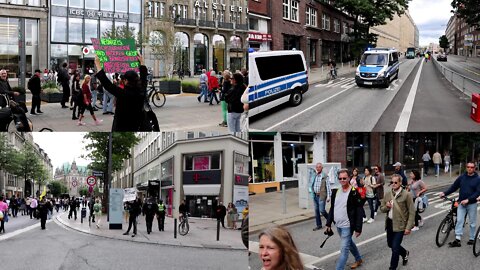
x=442, y=57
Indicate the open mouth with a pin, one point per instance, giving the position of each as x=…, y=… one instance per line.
x=267, y=262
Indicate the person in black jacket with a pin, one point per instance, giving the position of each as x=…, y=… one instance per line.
x=149, y=209
x=221, y=213
x=134, y=209
x=73, y=208
x=43, y=207
x=346, y=210
x=130, y=100
x=5, y=89
x=64, y=79
x=235, y=106
x=35, y=87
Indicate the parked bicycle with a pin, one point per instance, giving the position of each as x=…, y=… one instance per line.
x=158, y=98
x=476, y=243
x=184, y=227
x=448, y=223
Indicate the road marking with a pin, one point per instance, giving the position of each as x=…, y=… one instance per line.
x=402, y=124
x=20, y=231
x=307, y=109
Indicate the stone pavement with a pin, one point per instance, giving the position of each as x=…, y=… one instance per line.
x=267, y=209
x=202, y=233
x=316, y=75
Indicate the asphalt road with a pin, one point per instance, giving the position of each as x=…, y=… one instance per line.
x=61, y=248
x=424, y=254
x=429, y=103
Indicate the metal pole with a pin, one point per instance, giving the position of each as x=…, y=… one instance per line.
x=423, y=172
x=175, y=228
x=284, y=199
x=460, y=171
x=218, y=230
x=450, y=169
x=109, y=174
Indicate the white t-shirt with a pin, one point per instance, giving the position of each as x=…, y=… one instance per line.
x=341, y=215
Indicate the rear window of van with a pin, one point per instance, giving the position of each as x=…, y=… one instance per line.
x=277, y=66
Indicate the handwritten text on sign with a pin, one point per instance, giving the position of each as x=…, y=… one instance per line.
x=116, y=55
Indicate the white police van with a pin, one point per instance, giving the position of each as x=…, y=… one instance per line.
x=378, y=66
x=276, y=77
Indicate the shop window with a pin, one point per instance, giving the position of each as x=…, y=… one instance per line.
x=202, y=162
x=76, y=3
x=121, y=6
x=59, y=3
x=106, y=5
x=135, y=6
x=105, y=26
x=241, y=164
x=92, y=4
x=91, y=30
x=358, y=150
x=59, y=31
x=190, y=135
x=75, y=30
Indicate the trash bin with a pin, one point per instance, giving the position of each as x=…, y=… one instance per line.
x=475, y=111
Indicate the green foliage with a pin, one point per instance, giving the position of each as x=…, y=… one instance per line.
x=50, y=87
x=190, y=86
x=9, y=158
x=469, y=10
x=83, y=191
x=444, y=43
x=57, y=188
x=465, y=145
x=123, y=32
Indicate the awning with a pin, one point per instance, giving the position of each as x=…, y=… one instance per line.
x=213, y=190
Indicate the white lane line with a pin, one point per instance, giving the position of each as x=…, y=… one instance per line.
x=307, y=109
x=402, y=124
x=20, y=231
x=347, y=80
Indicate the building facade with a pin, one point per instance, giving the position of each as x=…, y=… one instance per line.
x=259, y=36
x=401, y=33
x=73, y=176
x=451, y=34
x=208, y=34
x=74, y=22
x=23, y=40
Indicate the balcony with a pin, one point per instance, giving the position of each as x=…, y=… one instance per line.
x=225, y=25
x=183, y=21
x=210, y=24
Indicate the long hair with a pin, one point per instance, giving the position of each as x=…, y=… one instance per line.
x=85, y=78
x=416, y=174
x=290, y=257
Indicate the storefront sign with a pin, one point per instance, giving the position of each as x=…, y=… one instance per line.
x=218, y=6
x=259, y=37
x=241, y=180
x=202, y=177
x=201, y=163
x=116, y=55
x=115, y=210
x=95, y=14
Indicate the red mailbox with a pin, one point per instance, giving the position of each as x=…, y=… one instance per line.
x=475, y=111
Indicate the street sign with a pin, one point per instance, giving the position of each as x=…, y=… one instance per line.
x=97, y=173
x=91, y=180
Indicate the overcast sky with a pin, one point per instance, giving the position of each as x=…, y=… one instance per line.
x=62, y=147
x=431, y=18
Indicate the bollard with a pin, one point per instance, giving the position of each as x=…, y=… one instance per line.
x=218, y=230
x=423, y=173
x=450, y=169
x=175, y=228
x=460, y=172
x=284, y=199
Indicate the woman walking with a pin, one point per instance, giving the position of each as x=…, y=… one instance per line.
x=370, y=184
x=226, y=85
x=379, y=192
x=229, y=216
x=417, y=188
x=87, y=102
x=235, y=106
x=76, y=96
x=213, y=87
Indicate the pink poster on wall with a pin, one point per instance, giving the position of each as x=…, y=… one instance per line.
x=201, y=163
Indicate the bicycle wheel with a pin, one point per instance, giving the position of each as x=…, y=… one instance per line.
x=476, y=243
x=443, y=231
x=158, y=99
x=183, y=228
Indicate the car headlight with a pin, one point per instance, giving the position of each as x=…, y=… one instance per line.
x=357, y=73
x=381, y=74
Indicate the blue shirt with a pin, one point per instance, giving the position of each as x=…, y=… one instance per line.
x=469, y=187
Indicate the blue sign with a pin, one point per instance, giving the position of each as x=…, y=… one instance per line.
x=116, y=208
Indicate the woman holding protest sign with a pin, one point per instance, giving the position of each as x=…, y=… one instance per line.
x=130, y=100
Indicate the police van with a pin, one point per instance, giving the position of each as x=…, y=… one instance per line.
x=378, y=66
x=276, y=77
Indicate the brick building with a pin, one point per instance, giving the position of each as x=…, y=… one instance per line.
x=259, y=37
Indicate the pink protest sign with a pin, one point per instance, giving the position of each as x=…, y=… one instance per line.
x=116, y=55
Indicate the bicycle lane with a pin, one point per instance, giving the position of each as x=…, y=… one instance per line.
x=202, y=233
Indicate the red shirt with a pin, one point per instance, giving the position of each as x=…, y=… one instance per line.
x=86, y=91
x=212, y=83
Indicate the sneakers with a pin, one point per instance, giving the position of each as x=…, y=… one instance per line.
x=356, y=264
x=470, y=242
x=98, y=226
x=415, y=229
x=370, y=221
x=420, y=223
x=365, y=220
x=81, y=123
x=39, y=112
x=317, y=228
x=126, y=233
x=98, y=122
x=375, y=214
x=405, y=259
x=133, y=235
x=455, y=243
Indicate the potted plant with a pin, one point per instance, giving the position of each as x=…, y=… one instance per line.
x=51, y=93
x=170, y=86
x=191, y=87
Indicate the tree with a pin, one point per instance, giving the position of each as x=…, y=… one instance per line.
x=444, y=43
x=57, y=188
x=123, y=32
x=366, y=14
x=83, y=191
x=29, y=164
x=468, y=10
x=465, y=145
x=163, y=44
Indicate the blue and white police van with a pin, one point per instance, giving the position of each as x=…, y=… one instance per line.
x=378, y=66
x=276, y=77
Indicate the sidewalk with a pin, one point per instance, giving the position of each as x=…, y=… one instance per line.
x=202, y=233
x=267, y=209
x=316, y=75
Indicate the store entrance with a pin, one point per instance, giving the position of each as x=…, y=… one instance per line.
x=201, y=206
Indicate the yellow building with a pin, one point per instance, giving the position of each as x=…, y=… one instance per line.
x=399, y=33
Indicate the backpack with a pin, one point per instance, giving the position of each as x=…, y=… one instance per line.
x=96, y=207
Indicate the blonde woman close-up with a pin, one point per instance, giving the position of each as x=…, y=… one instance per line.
x=277, y=250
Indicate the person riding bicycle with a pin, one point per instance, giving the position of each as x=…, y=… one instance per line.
x=469, y=185
x=183, y=210
x=333, y=68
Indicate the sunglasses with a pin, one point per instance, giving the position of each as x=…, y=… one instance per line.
x=342, y=178
x=394, y=182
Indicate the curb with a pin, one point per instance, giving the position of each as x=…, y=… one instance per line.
x=261, y=227
x=62, y=223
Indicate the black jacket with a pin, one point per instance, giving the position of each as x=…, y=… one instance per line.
x=130, y=101
x=354, y=210
x=63, y=76
x=6, y=92
x=150, y=208
x=135, y=209
x=34, y=85
x=233, y=96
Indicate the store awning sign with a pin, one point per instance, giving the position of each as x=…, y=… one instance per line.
x=116, y=55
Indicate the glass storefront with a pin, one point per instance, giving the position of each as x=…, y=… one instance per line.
x=358, y=145
x=200, y=42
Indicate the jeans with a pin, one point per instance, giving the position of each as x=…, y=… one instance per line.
x=204, y=92
x=394, y=241
x=471, y=210
x=347, y=245
x=233, y=122
x=447, y=166
x=319, y=210
x=107, y=101
x=94, y=97
x=425, y=167
x=132, y=221
x=371, y=202
x=377, y=203
x=437, y=169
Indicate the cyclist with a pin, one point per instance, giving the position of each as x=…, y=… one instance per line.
x=469, y=185
x=333, y=68
x=183, y=209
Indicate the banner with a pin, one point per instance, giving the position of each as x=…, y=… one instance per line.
x=116, y=55
x=130, y=194
x=115, y=210
x=240, y=198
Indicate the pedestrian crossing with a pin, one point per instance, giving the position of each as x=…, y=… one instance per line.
x=348, y=83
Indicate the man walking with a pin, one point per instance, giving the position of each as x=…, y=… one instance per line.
x=321, y=194
x=437, y=160
x=28, y=202
x=149, y=209
x=469, y=185
x=399, y=171
x=400, y=218
x=43, y=208
x=221, y=213
x=161, y=216
x=426, y=159
x=33, y=207
x=203, y=86
x=346, y=211
x=73, y=208
x=64, y=79
x=35, y=87
x=134, y=211
x=4, y=210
